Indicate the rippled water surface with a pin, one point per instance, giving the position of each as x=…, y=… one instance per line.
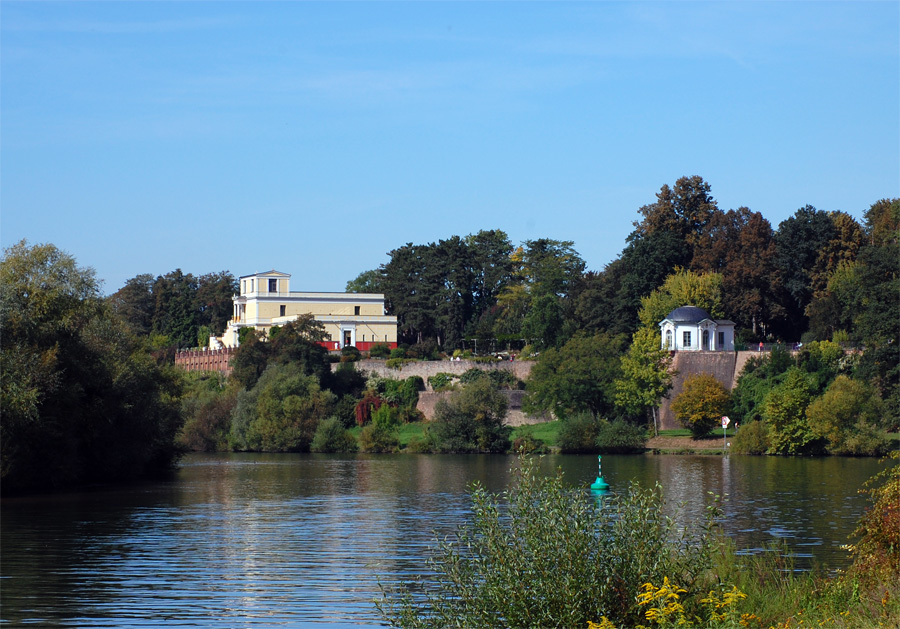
x=238, y=540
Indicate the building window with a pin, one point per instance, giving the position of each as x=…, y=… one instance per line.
x=363, y=338
x=281, y=310
x=669, y=339
x=251, y=286
x=721, y=340
x=685, y=339
x=356, y=310
x=273, y=286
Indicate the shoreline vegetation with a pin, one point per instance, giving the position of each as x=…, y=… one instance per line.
x=542, y=554
x=90, y=391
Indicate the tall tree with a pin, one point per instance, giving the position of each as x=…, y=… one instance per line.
x=646, y=375
x=135, y=303
x=490, y=252
x=739, y=244
x=366, y=282
x=578, y=377
x=80, y=402
x=683, y=288
x=176, y=314
x=215, y=300
x=684, y=210
x=798, y=241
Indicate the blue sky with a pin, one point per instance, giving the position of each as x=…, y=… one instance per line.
x=315, y=137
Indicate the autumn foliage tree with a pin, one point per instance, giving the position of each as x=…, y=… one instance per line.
x=701, y=404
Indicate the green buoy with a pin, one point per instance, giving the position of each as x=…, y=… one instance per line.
x=600, y=484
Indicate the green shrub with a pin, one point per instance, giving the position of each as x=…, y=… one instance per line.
x=471, y=420
x=401, y=392
x=397, y=363
x=529, y=444
x=751, y=438
x=345, y=410
x=386, y=416
x=578, y=434
x=846, y=415
x=378, y=439
x=379, y=350
x=543, y=554
x=441, y=381
x=349, y=354
x=332, y=436
x=619, y=437
x=785, y=414
x=501, y=378
x=282, y=411
x=398, y=352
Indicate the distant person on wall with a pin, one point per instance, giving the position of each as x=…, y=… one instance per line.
x=760, y=346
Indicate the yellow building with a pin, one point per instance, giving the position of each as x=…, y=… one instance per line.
x=266, y=300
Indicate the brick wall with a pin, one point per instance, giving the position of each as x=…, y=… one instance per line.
x=205, y=360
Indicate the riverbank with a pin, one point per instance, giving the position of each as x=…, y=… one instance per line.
x=665, y=444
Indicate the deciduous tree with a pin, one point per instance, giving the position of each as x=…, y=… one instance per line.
x=577, y=377
x=80, y=401
x=701, y=404
x=646, y=375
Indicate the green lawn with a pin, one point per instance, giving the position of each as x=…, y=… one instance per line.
x=405, y=432
x=546, y=432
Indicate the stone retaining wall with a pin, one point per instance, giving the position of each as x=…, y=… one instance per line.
x=514, y=414
x=427, y=368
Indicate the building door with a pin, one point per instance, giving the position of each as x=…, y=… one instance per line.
x=347, y=338
x=706, y=340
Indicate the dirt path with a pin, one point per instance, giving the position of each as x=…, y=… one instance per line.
x=684, y=443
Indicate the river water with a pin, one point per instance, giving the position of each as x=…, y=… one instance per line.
x=255, y=540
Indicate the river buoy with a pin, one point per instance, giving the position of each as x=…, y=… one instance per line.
x=600, y=484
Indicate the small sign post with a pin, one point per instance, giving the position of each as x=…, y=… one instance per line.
x=725, y=422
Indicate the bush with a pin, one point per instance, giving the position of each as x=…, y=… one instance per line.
x=379, y=350
x=545, y=555
x=386, y=416
x=365, y=407
x=398, y=352
x=578, y=434
x=378, y=439
x=785, y=413
x=619, y=437
x=471, y=420
x=282, y=411
x=751, y=438
x=846, y=415
x=397, y=363
x=701, y=404
x=501, y=378
x=331, y=436
x=401, y=392
x=349, y=354
x=441, y=381
x=345, y=410
x=529, y=444
x=876, y=556
x=207, y=420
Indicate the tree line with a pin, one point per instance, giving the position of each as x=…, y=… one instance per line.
x=87, y=394
x=776, y=284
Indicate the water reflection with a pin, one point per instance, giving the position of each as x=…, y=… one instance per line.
x=291, y=540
